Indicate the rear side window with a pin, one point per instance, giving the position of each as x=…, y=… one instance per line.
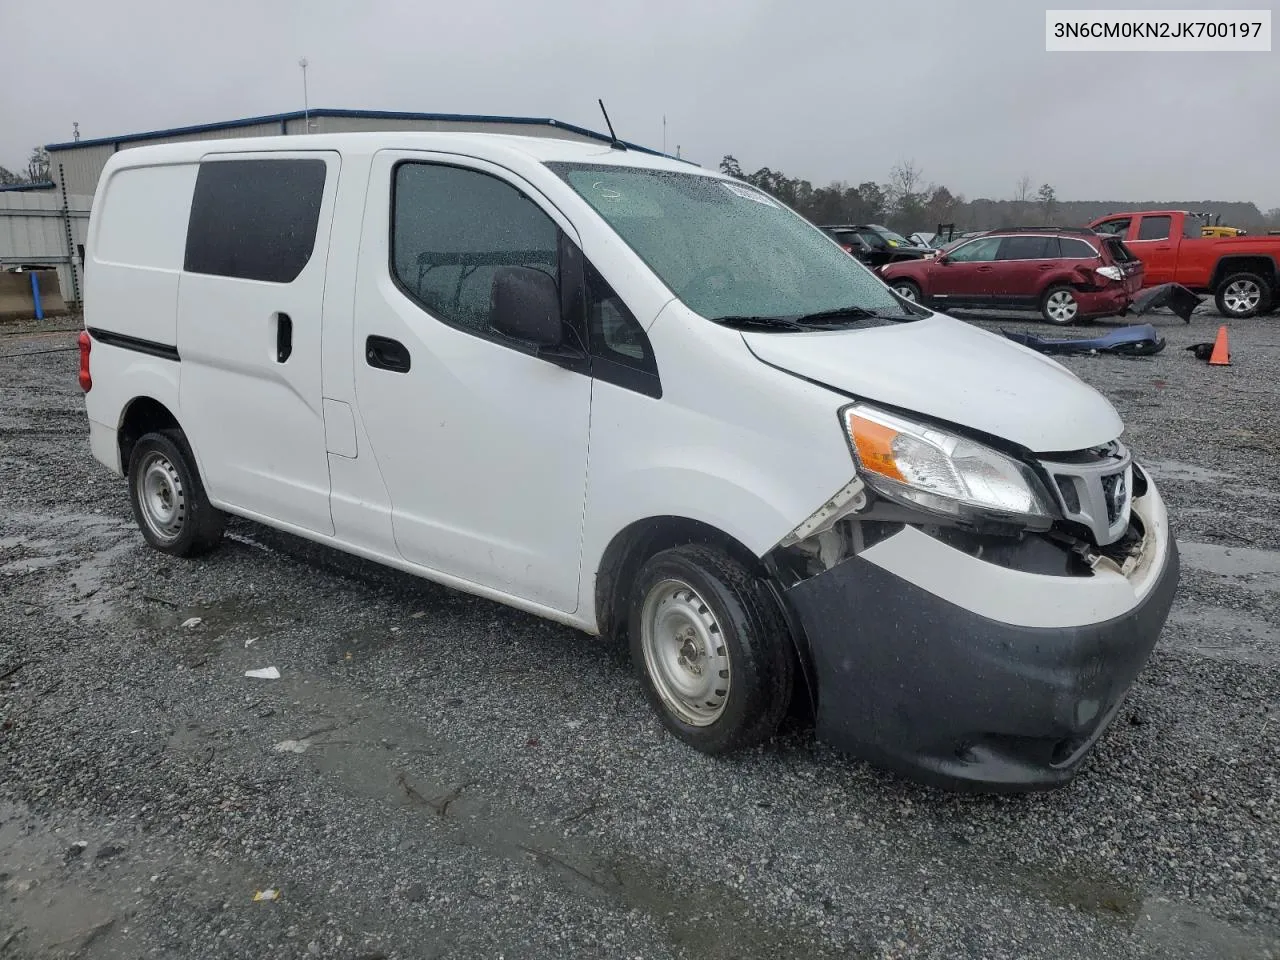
x=452, y=229
x=143, y=215
x=1028, y=248
x=255, y=219
x=1154, y=228
x=1191, y=227
x=1075, y=249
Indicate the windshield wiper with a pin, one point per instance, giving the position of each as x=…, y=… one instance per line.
x=772, y=323
x=853, y=313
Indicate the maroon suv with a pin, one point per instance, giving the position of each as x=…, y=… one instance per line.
x=1066, y=274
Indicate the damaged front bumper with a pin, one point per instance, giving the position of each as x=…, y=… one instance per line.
x=972, y=674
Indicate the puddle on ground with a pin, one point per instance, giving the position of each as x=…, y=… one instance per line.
x=1188, y=933
x=1254, y=569
x=1177, y=470
x=16, y=568
x=1227, y=634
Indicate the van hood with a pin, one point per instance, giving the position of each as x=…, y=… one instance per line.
x=945, y=368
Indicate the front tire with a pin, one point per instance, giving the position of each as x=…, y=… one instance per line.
x=168, y=498
x=712, y=648
x=907, y=290
x=1060, y=306
x=1243, y=295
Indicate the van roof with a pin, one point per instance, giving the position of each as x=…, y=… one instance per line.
x=492, y=146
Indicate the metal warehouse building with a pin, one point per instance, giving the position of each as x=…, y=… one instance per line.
x=75, y=166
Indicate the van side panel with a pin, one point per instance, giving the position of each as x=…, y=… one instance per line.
x=135, y=251
x=733, y=443
x=358, y=499
x=249, y=332
x=133, y=261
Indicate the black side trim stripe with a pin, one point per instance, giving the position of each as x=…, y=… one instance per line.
x=149, y=347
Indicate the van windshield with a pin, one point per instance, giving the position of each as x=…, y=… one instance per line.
x=728, y=250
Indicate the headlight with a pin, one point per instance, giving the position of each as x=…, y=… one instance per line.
x=924, y=466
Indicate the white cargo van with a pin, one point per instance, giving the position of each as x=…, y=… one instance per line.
x=642, y=399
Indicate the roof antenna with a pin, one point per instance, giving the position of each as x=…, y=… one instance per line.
x=614, y=142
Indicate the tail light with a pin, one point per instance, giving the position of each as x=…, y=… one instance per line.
x=1111, y=273
x=86, y=344
x=846, y=248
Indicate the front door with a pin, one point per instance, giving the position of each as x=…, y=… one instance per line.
x=968, y=275
x=249, y=320
x=1154, y=244
x=482, y=446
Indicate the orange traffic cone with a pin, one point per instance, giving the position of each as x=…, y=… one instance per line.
x=1221, y=356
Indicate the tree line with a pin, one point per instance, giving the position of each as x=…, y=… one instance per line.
x=908, y=203
x=37, y=170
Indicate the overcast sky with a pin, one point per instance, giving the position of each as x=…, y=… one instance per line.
x=822, y=89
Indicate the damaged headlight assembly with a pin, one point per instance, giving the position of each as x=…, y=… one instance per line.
x=948, y=476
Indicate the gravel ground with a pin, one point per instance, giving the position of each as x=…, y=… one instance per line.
x=435, y=775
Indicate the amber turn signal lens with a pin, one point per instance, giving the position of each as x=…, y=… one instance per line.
x=874, y=444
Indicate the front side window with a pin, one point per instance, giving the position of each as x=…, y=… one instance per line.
x=254, y=219
x=976, y=251
x=726, y=249
x=889, y=237
x=1118, y=227
x=873, y=240
x=453, y=228
x=1154, y=228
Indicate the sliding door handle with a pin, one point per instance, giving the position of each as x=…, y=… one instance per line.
x=284, y=337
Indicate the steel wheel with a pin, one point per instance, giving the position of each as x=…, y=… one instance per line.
x=1060, y=307
x=685, y=652
x=161, y=497
x=1242, y=296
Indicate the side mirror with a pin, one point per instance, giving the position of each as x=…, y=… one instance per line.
x=525, y=305
x=942, y=259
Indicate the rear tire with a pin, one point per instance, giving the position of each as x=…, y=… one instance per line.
x=1243, y=295
x=1059, y=306
x=712, y=648
x=168, y=498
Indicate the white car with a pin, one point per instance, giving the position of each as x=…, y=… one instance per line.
x=642, y=399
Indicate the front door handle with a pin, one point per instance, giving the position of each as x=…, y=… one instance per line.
x=386, y=354
x=284, y=337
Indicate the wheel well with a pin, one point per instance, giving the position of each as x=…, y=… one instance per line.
x=143, y=415
x=1265, y=267
x=635, y=544
x=639, y=541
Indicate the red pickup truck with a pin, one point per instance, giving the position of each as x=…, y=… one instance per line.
x=1240, y=272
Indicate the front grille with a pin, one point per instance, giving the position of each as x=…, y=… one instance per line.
x=1094, y=489
x=1113, y=490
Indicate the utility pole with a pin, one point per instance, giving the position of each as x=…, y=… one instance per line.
x=306, y=103
x=75, y=126
x=664, y=133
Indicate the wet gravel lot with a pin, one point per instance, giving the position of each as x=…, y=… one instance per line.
x=438, y=776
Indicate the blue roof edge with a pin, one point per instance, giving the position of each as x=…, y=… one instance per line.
x=354, y=114
x=23, y=187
